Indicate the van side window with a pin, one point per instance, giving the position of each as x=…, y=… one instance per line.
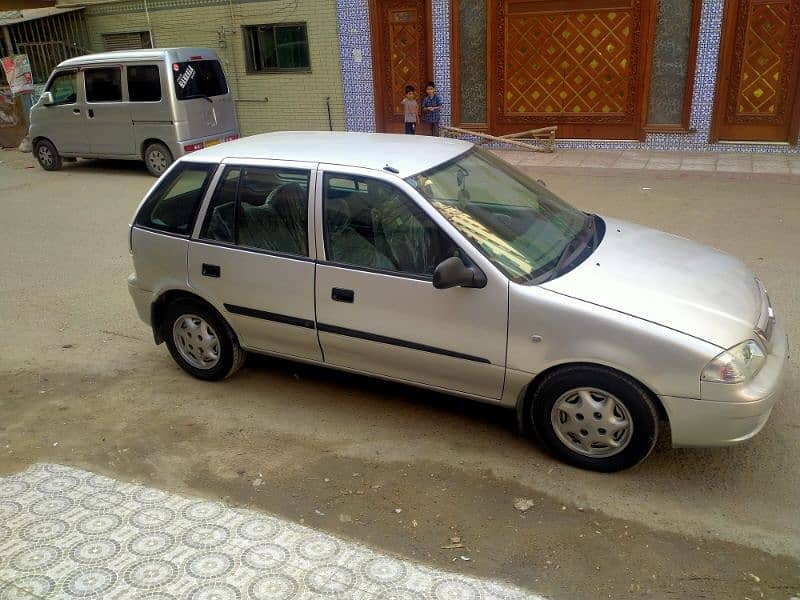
x=264, y=208
x=103, y=85
x=173, y=204
x=64, y=88
x=144, y=83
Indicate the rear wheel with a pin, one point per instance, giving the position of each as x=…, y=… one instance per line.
x=594, y=418
x=200, y=341
x=47, y=155
x=157, y=158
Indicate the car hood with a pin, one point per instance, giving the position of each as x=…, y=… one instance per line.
x=668, y=280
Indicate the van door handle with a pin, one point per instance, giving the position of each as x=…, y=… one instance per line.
x=91, y=113
x=342, y=295
x=76, y=111
x=211, y=270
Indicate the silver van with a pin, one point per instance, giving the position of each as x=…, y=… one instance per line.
x=153, y=105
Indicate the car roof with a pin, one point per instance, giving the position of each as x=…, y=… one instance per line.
x=176, y=54
x=405, y=154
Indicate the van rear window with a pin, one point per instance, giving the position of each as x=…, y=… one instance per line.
x=199, y=79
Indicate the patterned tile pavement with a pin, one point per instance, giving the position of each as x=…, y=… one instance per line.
x=66, y=533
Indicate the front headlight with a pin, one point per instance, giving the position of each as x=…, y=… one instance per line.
x=735, y=365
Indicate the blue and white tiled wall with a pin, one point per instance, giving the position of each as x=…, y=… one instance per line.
x=356, y=49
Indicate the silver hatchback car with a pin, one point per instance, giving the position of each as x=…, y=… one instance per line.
x=432, y=262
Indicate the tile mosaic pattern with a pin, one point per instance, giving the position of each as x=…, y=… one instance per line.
x=356, y=53
x=66, y=533
x=360, y=110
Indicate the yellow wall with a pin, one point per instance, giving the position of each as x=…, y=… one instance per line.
x=295, y=100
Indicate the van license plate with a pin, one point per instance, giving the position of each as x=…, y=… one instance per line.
x=212, y=143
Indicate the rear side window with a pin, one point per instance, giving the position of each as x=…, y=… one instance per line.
x=144, y=83
x=199, y=79
x=173, y=204
x=103, y=85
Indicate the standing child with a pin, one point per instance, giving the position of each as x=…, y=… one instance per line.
x=410, y=110
x=432, y=108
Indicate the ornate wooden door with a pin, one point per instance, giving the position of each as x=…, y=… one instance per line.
x=757, y=90
x=402, y=55
x=578, y=64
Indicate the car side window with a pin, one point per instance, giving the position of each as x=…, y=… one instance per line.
x=370, y=223
x=64, y=88
x=263, y=208
x=144, y=83
x=103, y=85
x=173, y=204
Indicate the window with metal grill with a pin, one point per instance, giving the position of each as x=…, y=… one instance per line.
x=135, y=40
x=277, y=48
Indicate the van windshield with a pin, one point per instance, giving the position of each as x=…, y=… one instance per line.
x=199, y=79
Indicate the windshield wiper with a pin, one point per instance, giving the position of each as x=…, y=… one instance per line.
x=586, y=236
x=203, y=96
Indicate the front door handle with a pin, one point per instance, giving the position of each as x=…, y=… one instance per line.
x=211, y=270
x=91, y=113
x=342, y=295
x=76, y=111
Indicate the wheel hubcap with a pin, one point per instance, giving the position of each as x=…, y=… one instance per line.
x=196, y=341
x=592, y=422
x=157, y=161
x=45, y=156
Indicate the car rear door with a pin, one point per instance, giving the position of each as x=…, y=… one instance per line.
x=251, y=255
x=377, y=309
x=108, y=126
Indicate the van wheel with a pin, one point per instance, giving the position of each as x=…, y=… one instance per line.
x=200, y=341
x=157, y=158
x=47, y=155
x=594, y=418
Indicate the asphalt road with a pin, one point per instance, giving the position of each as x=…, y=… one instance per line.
x=82, y=384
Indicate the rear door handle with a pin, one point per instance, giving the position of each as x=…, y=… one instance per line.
x=91, y=113
x=211, y=270
x=342, y=295
x=77, y=111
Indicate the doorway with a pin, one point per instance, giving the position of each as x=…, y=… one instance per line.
x=402, y=54
x=758, y=94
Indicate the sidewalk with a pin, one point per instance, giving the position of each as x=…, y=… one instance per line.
x=746, y=165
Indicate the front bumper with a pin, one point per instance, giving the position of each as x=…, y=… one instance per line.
x=730, y=414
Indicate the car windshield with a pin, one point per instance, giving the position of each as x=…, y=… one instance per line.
x=523, y=228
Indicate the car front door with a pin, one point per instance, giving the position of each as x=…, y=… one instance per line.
x=62, y=121
x=251, y=256
x=108, y=117
x=377, y=309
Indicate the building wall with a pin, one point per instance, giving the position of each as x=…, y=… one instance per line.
x=264, y=101
x=360, y=109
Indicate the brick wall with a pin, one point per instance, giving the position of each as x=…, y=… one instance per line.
x=294, y=100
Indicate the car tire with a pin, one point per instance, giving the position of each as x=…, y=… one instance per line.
x=47, y=155
x=157, y=158
x=200, y=341
x=594, y=418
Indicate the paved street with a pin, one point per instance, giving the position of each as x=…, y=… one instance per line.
x=395, y=469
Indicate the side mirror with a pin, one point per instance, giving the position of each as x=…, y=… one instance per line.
x=452, y=272
x=47, y=99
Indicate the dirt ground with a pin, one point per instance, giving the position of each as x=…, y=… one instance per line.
x=81, y=383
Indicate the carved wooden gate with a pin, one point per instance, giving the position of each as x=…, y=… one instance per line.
x=401, y=49
x=578, y=64
x=758, y=91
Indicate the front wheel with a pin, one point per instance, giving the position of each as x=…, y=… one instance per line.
x=157, y=158
x=200, y=341
x=594, y=418
x=47, y=155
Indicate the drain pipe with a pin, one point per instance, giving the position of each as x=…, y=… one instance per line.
x=330, y=120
